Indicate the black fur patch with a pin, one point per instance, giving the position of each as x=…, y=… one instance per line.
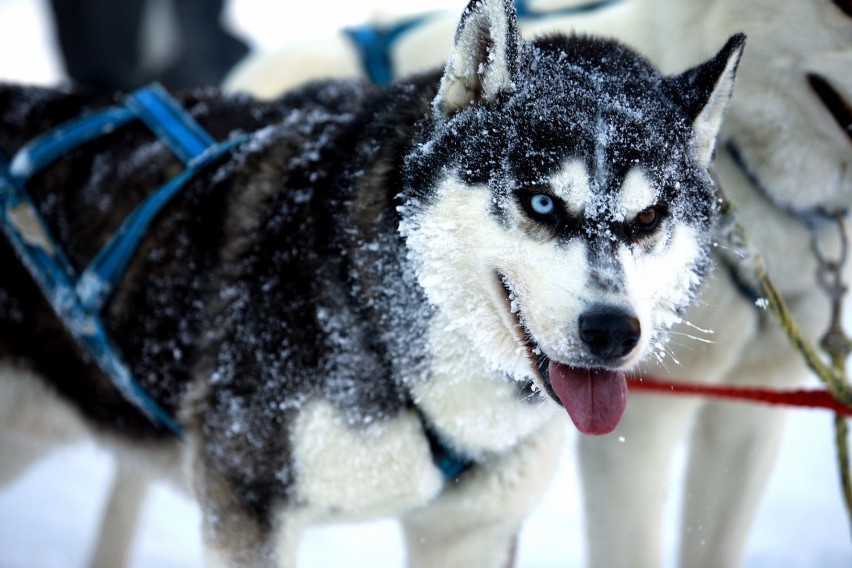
x=573, y=98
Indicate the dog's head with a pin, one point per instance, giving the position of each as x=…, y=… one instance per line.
x=792, y=118
x=558, y=207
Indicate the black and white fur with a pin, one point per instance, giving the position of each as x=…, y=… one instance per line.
x=790, y=125
x=375, y=268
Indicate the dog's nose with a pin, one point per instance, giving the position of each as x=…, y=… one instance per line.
x=609, y=333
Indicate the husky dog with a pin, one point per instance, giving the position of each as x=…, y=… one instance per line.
x=378, y=277
x=786, y=160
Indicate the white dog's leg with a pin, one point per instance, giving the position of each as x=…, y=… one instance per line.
x=120, y=519
x=17, y=455
x=33, y=422
x=458, y=543
x=625, y=480
x=733, y=450
x=234, y=537
x=731, y=455
x=476, y=522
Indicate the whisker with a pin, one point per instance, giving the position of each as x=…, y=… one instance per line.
x=689, y=336
x=663, y=350
x=700, y=339
x=660, y=360
x=695, y=327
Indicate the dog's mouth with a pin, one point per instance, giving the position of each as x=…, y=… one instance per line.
x=832, y=101
x=595, y=398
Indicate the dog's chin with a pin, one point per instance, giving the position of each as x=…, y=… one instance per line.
x=594, y=397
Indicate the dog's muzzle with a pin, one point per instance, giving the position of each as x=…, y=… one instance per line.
x=595, y=398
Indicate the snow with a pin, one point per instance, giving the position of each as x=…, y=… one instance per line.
x=49, y=517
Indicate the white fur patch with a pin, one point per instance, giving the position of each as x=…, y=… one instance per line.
x=571, y=184
x=658, y=283
x=551, y=290
x=476, y=408
x=459, y=249
x=637, y=194
x=29, y=409
x=457, y=246
x=377, y=468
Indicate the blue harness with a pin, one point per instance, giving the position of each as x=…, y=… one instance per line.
x=78, y=299
x=374, y=43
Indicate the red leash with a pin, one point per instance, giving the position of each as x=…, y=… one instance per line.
x=807, y=398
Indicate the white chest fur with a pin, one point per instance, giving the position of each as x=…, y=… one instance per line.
x=364, y=470
x=476, y=410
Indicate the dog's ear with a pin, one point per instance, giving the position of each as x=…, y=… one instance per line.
x=484, y=58
x=704, y=91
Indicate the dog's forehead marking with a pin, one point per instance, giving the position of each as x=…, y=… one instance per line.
x=637, y=194
x=571, y=184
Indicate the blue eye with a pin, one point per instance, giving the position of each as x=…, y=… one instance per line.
x=542, y=204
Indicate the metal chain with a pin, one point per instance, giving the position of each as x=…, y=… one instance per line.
x=836, y=344
x=751, y=268
x=830, y=277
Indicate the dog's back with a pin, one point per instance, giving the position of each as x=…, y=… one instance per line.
x=166, y=295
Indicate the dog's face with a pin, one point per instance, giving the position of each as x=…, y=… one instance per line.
x=792, y=117
x=559, y=211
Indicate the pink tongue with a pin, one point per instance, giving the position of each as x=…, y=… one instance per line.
x=594, y=398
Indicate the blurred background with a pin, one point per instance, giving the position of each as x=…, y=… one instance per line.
x=48, y=518
x=29, y=42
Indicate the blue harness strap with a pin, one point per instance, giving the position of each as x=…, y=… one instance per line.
x=42, y=150
x=78, y=301
x=374, y=47
x=524, y=11
x=451, y=463
x=99, y=279
x=170, y=122
x=447, y=459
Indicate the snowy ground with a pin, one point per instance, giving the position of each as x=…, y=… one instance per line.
x=48, y=517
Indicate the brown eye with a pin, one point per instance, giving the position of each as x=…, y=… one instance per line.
x=845, y=6
x=647, y=221
x=647, y=218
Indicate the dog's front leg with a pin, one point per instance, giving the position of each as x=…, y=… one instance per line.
x=119, y=521
x=732, y=454
x=732, y=450
x=625, y=478
x=278, y=552
x=237, y=535
x=238, y=540
x=476, y=520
